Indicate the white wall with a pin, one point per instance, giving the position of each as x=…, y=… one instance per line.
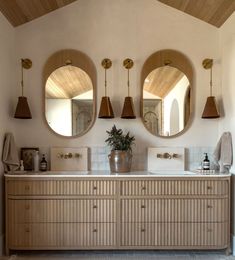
x=117, y=30
x=7, y=75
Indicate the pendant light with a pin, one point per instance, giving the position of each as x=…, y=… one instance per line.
x=128, y=111
x=210, y=110
x=22, y=108
x=106, y=110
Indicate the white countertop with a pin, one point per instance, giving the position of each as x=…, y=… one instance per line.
x=110, y=174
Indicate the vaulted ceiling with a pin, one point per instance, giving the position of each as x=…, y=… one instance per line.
x=214, y=12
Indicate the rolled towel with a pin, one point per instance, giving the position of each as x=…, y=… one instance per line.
x=10, y=157
x=223, y=153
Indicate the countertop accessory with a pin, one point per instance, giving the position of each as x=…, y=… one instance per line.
x=210, y=109
x=120, y=157
x=22, y=108
x=128, y=111
x=27, y=155
x=106, y=110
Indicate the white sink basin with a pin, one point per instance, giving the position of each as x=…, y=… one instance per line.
x=172, y=173
x=64, y=173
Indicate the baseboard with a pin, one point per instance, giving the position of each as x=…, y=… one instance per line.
x=1, y=244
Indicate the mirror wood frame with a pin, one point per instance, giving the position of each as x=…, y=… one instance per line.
x=174, y=59
x=80, y=60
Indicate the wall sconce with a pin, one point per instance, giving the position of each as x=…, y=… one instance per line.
x=210, y=109
x=22, y=108
x=128, y=107
x=106, y=110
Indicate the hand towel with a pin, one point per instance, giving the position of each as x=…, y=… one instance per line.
x=10, y=157
x=223, y=153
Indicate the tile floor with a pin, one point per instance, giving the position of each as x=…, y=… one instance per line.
x=121, y=255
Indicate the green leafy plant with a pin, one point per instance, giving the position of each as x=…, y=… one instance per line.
x=119, y=141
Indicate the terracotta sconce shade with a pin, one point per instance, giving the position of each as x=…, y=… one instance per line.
x=106, y=110
x=210, y=109
x=22, y=109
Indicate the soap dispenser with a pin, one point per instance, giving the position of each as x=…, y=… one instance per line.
x=206, y=163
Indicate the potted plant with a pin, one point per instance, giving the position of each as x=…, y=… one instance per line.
x=120, y=157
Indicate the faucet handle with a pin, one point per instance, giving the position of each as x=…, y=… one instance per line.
x=175, y=155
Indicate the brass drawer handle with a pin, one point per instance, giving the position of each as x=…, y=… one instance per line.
x=142, y=230
x=143, y=206
x=209, y=187
x=95, y=230
x=94, y=188
x=209, y=207
x=143, y=188
x=95, y=207
x=27, y=230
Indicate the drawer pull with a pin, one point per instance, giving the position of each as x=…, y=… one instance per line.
x=27, y=207
x=209, y=187
x=95, y=230
x=143, y=206
x=209, y=207
x=95, y=207
x=27, y=230
x=209, y=230
x=142, y=230
x=143, y=188
x=94, y=188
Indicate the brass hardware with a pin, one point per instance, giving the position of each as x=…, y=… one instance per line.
x=128, y=107
x=106, y=110
x=143, y=206
x=77, y=155
x=94, y=188
x=143, y=188
x=27, y=207
x=209, y=207
x=175, y=155
x=167, y=62
x=168, y=156
x=142, y=230
x=22, y=108
x=95, y=230
x=209, y=187
x=60, y=155
x=68, y=62
x=68, y=155
x=210, y=109
x=27, y=230
x=94, y=207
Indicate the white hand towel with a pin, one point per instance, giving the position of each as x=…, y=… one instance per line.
x=10, y=156
x=223, y=153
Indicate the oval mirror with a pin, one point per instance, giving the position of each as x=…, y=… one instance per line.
x=166, y=103
x=69, y=93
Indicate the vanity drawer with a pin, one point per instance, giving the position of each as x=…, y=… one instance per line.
x=191, y=234
x=174, y=187
x=61, y=187
x=61, y=211
x=66, y=235
x=174, y=210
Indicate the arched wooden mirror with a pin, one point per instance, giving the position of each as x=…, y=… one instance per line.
x=166, y=93
x=69, y=83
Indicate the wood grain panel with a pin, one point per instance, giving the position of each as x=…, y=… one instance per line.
x=175, y=187
x=22, y=11
x=174, y=210
x=214, y=12
x=61, y=187
x=62, y=211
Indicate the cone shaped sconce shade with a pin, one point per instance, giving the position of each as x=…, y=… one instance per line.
x=210, y=109
x=106, y=110
x=22, y=108
x=128, y=111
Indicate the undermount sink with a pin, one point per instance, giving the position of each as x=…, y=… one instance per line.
x=64, y=173
x=171, y=173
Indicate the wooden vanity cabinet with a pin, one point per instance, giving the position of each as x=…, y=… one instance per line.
x=117, y=213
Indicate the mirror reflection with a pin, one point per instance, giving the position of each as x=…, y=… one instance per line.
x=69, y=101
x=166, y=101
